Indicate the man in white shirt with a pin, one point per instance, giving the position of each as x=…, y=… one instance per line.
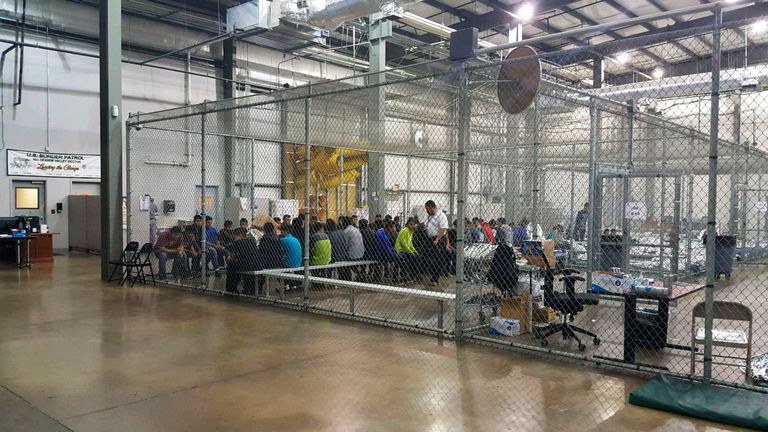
x=436, y=226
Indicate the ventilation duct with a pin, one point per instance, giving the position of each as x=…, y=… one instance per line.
x=330, y=14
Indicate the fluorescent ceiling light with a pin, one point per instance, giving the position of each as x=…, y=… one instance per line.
x=658, y=73
x=760, y=26
x=525, y=13
x=623, y=58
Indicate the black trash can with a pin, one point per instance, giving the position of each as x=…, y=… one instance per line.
x=611, y=252
x=725, y=253
x=650, y=331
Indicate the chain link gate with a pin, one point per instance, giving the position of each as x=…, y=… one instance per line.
x=581, y=217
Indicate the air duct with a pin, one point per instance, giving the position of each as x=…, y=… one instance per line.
x=330, y=14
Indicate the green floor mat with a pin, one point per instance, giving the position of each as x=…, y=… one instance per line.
x=726, y=405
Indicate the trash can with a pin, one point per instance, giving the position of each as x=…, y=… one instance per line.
x=611, y=252
x=650, y=331
x=725, y=253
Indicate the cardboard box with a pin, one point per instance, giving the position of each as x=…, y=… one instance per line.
x=544, y=315
x=516, y=308
x=504, y=327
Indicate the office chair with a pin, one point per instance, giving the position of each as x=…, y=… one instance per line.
x=567, y=304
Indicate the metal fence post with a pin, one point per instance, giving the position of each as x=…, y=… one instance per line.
x=591, y=240
x=464, y=124
x=626, y=223
x=307, y=187
x=203, y=245
x=252, y=189
x=709, y=289
x=128, y=232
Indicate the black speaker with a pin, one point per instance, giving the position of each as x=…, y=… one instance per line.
x=463, y=44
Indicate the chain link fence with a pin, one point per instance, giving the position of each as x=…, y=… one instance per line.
x=574, y=224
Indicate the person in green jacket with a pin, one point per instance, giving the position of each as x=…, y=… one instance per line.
x=319, y=245
x=409, y=256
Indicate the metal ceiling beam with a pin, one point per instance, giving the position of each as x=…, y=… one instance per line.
x=657, y=4
x=616, y=36
x=621, y=8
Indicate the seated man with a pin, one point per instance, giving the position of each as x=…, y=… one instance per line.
x=271, y=248
x=292, y=249
x=227, y=234
x=319, y=245
x=244, y=257
x=212, y=240
x=173, y=245
x=409, y=256
x=194, y=233
x=385, y=243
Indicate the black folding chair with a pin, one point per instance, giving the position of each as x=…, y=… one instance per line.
x=128, y=257
x=141, y=262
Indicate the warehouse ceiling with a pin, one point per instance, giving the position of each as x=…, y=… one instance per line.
x=494, y=17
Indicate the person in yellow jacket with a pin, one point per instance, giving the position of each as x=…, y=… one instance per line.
x=409, y=256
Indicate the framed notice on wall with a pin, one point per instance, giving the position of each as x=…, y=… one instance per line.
x=41, y=164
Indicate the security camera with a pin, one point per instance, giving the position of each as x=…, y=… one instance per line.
x=138, y=127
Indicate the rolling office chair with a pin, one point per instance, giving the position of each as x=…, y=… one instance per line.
x=567, y=304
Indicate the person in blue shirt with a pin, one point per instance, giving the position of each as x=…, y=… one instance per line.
x=384, y=241
x=218, y=253
x=292, y=249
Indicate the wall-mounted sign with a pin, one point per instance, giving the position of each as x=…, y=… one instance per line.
x=635, y=211
x=37, y=164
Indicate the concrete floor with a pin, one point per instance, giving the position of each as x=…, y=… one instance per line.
x=77, y=354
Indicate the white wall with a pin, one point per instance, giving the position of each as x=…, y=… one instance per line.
x=59, y=113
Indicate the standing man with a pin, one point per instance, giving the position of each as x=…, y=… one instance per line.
x=152, y=221
x=580, y=224
x=437, y=230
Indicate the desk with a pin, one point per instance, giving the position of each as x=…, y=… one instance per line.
x=41, y=250
x=632, y=330
x=22, y=249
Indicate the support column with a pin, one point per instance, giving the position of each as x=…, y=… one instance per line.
x=111, y=138
x=227, y=117
x=379, y=31
x=593, y=231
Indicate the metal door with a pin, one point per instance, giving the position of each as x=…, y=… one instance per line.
x=28, y=198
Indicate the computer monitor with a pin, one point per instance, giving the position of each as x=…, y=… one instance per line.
x=8, y=223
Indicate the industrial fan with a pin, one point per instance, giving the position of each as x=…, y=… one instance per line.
x=518, y=81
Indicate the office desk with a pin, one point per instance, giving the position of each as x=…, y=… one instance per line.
x=22, y=249
x=633, y=332
x=41, y=250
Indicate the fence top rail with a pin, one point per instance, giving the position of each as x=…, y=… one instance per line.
x=411, y=292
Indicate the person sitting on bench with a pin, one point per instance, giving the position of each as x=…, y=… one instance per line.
x=174, y=245
x=244, y=257
x=404, y=247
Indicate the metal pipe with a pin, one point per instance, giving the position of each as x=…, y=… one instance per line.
x=203, y=245
x=202, y=43
x=674, y=264
x=307, y=185
x=535, y=173
x=464, y=122
x=21, y=53
x=709, y=289
x=663, y=206
x=132, y=62
x=600, y=28
x=626, y=223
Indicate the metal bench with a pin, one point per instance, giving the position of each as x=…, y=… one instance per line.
x=440, y=297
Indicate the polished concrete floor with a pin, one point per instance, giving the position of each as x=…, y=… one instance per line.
x=79, y=354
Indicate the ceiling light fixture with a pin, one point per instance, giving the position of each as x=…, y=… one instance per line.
x=658, y=73
x=623, y=58
x=525, y=13
x=760, y=26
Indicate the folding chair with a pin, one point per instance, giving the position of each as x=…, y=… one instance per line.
x=727, y=338
x=142, y=261
x=127, y=257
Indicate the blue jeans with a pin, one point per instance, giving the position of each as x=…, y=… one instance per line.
x=180, y=264
x=211, y=256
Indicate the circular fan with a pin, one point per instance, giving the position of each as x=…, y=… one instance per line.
x=518, y=82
